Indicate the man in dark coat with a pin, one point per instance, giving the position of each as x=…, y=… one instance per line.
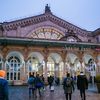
x=50, y=81
x=3, y=86
x=82, y=85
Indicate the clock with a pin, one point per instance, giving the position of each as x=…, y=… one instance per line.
x=71, y=39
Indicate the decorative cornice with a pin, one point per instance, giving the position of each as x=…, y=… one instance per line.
x=96, y=32
x=41, y=18
x=24, y=22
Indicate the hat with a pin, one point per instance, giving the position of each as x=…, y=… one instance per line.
x=2, y=73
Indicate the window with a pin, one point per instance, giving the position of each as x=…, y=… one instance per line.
x=13, y=68
x=71, y=39
x=32, y=65
x=97, y=39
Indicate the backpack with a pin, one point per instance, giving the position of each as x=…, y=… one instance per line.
x=68, y=82
x=31, y=80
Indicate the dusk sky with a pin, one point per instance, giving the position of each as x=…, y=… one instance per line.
x=82, y=13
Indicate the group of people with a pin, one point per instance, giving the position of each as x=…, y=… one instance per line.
x=37, y=83
x=82, y=85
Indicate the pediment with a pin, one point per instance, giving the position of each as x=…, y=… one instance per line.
x=42, y=18
x=49, y=31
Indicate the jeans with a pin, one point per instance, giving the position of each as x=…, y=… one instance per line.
x=68, y=95
x=82, y=94
x=31, y=92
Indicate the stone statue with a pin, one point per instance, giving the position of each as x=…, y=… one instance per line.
x=47, y=9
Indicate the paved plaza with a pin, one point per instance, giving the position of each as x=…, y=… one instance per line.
x=21, y=93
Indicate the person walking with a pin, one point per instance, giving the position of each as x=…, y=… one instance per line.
x=68, y=86
x=50, y=81
x=31, y=85
x=39, y=84
x=82, y=85
x=3, y=86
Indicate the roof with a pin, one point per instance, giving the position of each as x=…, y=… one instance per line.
x=47, y=43
x=47, y=15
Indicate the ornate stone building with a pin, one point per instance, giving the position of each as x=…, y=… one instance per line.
x=48, y=45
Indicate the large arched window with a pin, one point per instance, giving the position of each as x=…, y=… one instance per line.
x=13, y=66
x=32, y=65
x=46, y=33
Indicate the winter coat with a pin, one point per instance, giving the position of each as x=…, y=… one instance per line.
x=68, y=89
x=82, y=82
x=39, y=83
x=50, y=80
x=3, y=89
x=31, y=82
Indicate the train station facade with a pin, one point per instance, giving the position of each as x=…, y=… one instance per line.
x=48, y=45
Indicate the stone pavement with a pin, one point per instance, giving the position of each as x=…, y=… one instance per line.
x=21, y=93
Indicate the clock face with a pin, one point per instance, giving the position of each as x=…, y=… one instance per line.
x=71, y=39
x=46, y=33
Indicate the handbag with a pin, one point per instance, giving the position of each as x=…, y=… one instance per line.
x=52, y=88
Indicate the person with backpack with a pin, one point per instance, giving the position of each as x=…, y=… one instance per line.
x=31, y=85
x=82, y=85
x=51, y=81
x=39, y=84
x=3, y=86
x=68, y=86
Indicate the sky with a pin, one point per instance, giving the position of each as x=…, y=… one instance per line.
x=82, y=13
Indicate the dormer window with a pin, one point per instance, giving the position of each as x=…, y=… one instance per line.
x=97, y=39
x=89, y=40
x=71, y=39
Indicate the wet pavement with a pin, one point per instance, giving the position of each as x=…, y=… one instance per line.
x=21, y=93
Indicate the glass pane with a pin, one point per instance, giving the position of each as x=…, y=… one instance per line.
x=7, y=75
x=18, y=76
x=18, y=60
x=11, y=76
x=7, y=68
x=14, y=76
x=15, y=67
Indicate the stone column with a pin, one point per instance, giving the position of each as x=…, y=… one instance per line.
x=25, y=71
x=23, y=74
x=81, y=53
x=45, y=53
x=45, y=71
x=71, y=71
x=4, y=65
x=97, y=66
x=4, y=54
x=56, y=69
x=82, y=69
x=64, y=54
